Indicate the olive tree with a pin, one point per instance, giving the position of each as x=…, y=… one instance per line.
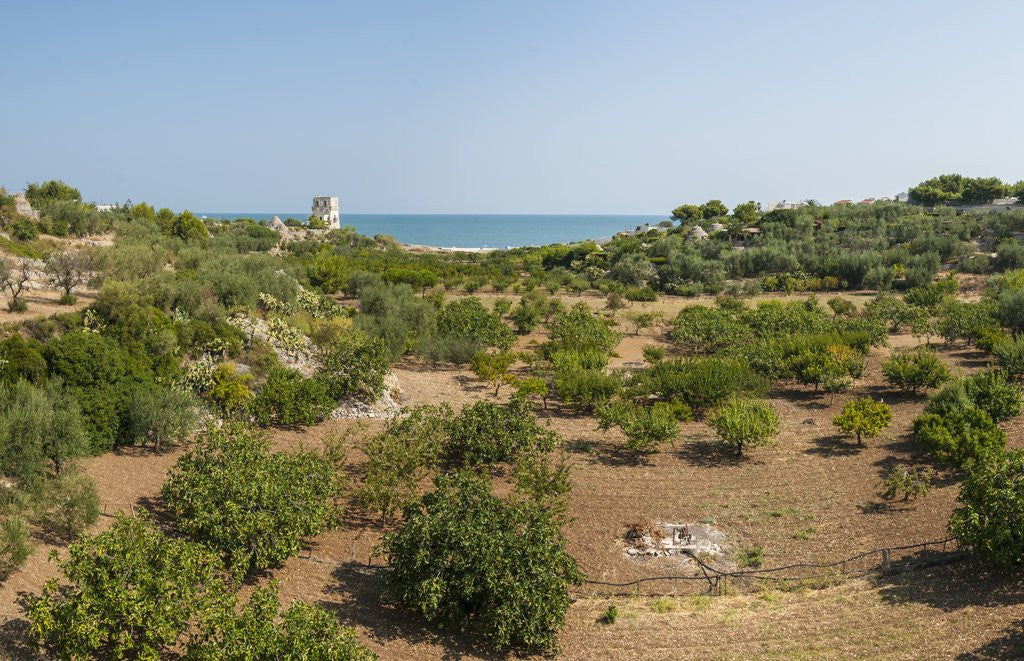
x=67, y=269
x=14, y=277
x=864, y=418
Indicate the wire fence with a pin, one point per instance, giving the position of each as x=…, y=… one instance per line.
x=705, y=578
x=708, y=579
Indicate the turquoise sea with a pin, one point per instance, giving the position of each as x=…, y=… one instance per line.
x=476, y=230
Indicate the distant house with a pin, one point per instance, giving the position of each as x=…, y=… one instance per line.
x=106, y=207
x=697, y=233
x=837, y=202
x=867, y=200
x=903, y=197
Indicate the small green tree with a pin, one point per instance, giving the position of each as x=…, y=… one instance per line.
x=127, y=593
x=466, y=559
x=645, y=427
x=493, y=368
x=160, y=416
x=743, y=423
x=68, y=504
x=990, y=519
x=864, y=418
x=643, y=320
x=40, y=429
x=913, y=370
x=400, y=456
x=908, y=482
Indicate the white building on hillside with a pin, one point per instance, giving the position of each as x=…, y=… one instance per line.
x=328, y=209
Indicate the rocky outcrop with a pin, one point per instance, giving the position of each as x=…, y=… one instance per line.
x=24, y=207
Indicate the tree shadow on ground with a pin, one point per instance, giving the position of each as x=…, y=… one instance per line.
x=1008, y=646
x=834, y=445
x=971, y=357
x=951, y=587
x=805, y=398
x=16, y=643
x=887, y=506
x=472, y=384
x=608, y=454
x=908, y=451
x=708, y=452
x=357, y=599
x=143, y=450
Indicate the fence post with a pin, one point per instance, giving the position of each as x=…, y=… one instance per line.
x=886, y=564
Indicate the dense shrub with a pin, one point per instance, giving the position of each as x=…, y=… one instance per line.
x=400, y=319
x=126, y=593
x=261, y=630
x=578, y=329
x=645, y=427
x=252, y=505
x=1009, y=353
x=355, y=365
x=468, y=560
x=743, y=423
x=288, y=398
x=700, y=329
x=101, y=375
x=487, y=433
x=864, y=418
x=994, y=394
x=21, y=360
x=701, y=383
x=915, y=370
x=399, y=457
x=585, y=389
x=959, y=437
x=465, y=327
x=990, y=519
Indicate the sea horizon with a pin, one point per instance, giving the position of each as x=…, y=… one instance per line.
x=474, y=230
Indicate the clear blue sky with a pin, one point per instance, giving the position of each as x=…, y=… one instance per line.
x=517, y=106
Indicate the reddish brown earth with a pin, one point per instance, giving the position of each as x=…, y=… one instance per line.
x=813, y=483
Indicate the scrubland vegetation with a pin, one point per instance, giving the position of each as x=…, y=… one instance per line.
x=207, y=339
